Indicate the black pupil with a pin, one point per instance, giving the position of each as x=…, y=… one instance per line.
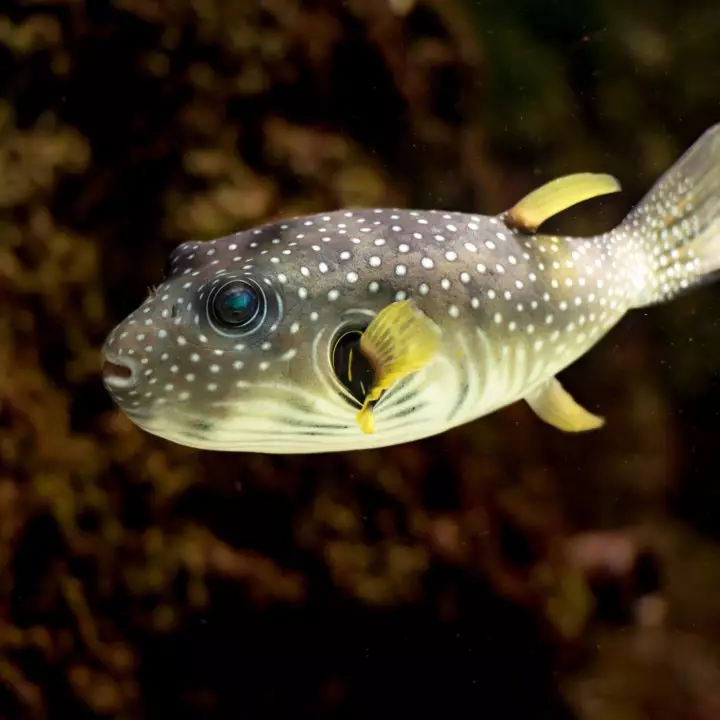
x=237, y=305
x=351, y=366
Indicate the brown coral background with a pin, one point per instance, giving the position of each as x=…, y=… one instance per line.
x=502, y=570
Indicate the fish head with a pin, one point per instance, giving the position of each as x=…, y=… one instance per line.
x=238, y=347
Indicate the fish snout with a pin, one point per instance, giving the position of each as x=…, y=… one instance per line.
x=119, y=372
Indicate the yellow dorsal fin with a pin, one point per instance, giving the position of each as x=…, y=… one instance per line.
x=555, y=196
x=399, y=341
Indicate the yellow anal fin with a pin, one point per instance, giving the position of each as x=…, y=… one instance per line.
x=557, y=195
x=553, y=404
x=399, y=341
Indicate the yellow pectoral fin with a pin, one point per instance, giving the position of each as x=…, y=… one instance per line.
x=558, y=195
x=399, y=341
x=553, y=404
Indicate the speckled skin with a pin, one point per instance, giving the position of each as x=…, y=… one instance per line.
x=514, y=309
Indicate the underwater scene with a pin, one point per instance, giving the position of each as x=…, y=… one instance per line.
x=360, y=359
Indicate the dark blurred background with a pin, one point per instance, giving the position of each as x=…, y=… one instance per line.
x=502, y=570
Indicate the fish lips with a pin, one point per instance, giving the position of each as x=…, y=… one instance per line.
x=119, y=372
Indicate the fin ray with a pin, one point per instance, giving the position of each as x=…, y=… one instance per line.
x=399, y=341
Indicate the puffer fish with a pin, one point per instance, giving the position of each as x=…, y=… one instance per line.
x=363, y=328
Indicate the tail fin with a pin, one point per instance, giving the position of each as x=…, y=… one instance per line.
x=677, y=224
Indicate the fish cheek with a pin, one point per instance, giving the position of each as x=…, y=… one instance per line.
x=210, y=402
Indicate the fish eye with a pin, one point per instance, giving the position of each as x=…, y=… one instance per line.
x=238, y=306
x=350, y=365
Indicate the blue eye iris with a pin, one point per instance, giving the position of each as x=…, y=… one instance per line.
x=237, y=305
x=239, y=301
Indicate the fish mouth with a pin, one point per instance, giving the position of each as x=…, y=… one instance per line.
x=118, y=372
